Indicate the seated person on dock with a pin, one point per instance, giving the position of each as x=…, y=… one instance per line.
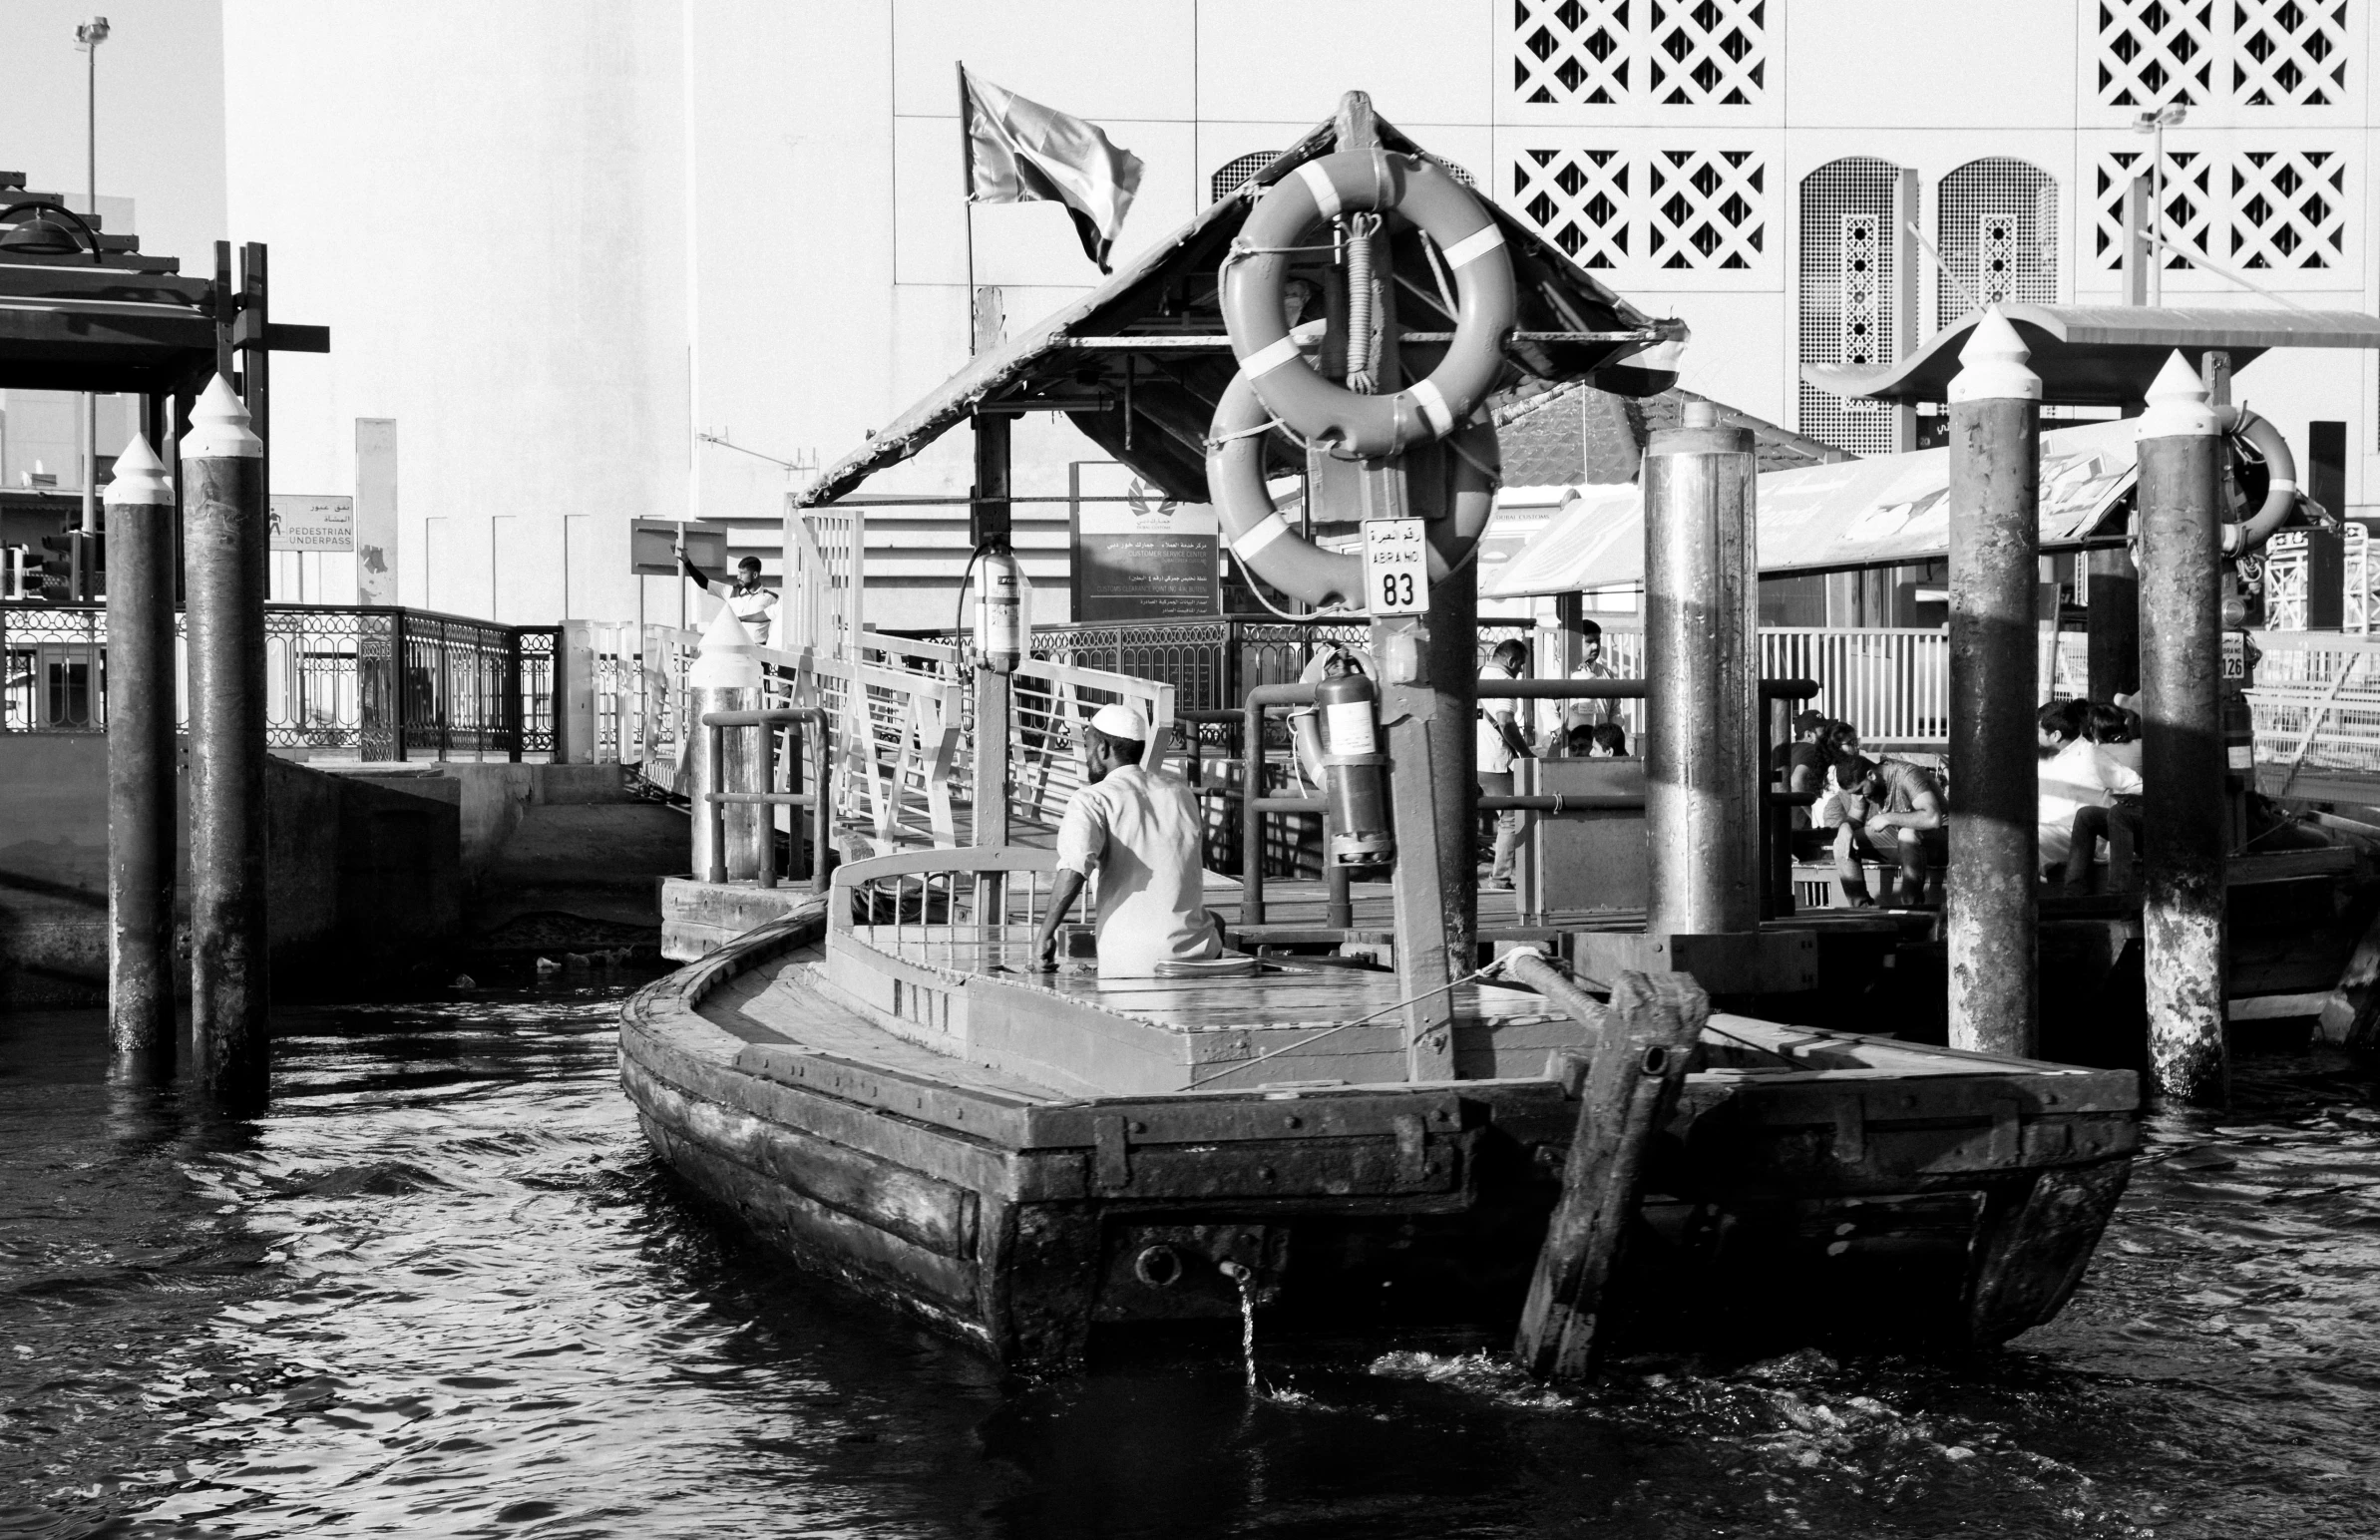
x=1802, y=764
x=1140, y=831
x=2075, y=773
x=1889, y=797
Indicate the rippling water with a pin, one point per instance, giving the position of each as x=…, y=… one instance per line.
x=442, y=1289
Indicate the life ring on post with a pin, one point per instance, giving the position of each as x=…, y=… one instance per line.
x=1358, y=182
x=1263, y=539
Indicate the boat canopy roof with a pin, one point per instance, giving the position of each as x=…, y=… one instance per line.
x=2098, y=355
x=1140, y=362
x=1888, y=510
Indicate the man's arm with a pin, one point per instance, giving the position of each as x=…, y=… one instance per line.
x=1925, y=813
x=1514, y=738
x=685, y=566
x=1062, y=893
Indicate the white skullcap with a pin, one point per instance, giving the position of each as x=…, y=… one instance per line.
x=1121, y=722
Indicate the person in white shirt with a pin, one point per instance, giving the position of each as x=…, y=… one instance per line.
x=1139, y=831
x=1498, y=743
x=753, y=604
x=1571, y=716
x=2075, y=773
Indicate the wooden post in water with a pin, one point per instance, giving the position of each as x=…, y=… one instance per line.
x=2181, y=748
x=1637, y=1060
x=227, y=573
x=141, y=758
x=1990, y=911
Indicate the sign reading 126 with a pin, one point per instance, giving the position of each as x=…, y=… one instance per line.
x=1396, y=566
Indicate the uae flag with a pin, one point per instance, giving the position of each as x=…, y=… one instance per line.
x=1020, y=152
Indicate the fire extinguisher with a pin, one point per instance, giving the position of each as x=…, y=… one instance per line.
x=1003, y=605
x=1355, y=772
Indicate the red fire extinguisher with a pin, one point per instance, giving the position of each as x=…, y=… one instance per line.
x=1003, y=610
x=1355, y=772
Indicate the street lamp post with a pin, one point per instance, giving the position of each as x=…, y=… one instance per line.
x=2155, y=123
x=88, y=37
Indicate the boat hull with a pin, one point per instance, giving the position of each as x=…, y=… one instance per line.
x=1952, y=1211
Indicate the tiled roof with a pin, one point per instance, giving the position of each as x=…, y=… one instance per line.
x=1574, y=434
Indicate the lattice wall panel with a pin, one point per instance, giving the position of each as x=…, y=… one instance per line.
x=1648, y=212
x=1675, y=53
x=2274, y=210
x=2287, y=209
x=2151, y=52
x=2288, y=53
x=1708, y=53
x=1705, y=209
x=1996, y=225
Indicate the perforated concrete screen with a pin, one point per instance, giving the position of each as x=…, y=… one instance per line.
x=1996, y=225
x=1848, y=283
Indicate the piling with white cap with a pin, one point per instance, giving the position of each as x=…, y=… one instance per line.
x=725, y=676
x=141, y=768
x=1990, y=909
x=2181, y=748
x=227, y=558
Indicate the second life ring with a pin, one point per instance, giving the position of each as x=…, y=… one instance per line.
x=1369, y=180
x=1263, y=539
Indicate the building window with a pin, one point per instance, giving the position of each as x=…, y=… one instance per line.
x=1847, y=286
x=1671, y=52
x=1996, y=223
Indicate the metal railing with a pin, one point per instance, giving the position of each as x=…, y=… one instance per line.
x=2315, y=706
x=381, y=683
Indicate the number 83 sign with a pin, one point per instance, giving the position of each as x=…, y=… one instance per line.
x=1396, y=566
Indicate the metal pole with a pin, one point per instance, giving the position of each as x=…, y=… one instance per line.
x=1702, y=620
x=2113, y=593
x=724, y=677
x=141, y=769
x=223, y=469
x=1990, y=910
x=2182, y=751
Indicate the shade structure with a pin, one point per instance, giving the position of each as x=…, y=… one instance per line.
x=2098, y=355
x=1889, y=511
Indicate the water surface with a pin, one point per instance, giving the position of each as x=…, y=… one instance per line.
x=443, y=1289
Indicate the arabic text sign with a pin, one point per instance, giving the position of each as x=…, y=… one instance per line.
x=1396, y=566
x=1138, y=553
x=304, y=523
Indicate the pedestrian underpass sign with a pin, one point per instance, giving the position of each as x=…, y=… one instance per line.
x=1396, y=566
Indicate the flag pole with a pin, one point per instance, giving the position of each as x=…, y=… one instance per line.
x=967, y=166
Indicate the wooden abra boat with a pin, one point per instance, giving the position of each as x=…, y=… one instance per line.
x=1023, y=1158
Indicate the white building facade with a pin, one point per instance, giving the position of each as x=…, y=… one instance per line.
x=561, y=241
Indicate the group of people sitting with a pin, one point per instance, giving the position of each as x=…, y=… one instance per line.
x=1882, y=809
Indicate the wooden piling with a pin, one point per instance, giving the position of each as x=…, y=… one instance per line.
x=1990, y=906
x=1643, y=1044
x=2181, y=750
x=141, y=757
x=226, y=576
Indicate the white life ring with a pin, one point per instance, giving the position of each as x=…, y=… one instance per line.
x=1369, y=180
x=1263, y=539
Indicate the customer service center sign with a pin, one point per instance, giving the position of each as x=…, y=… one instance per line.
x=1138, y=553
x=305, y=523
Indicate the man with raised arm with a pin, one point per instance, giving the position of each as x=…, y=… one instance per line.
x=1140, y=831
x=753, y=604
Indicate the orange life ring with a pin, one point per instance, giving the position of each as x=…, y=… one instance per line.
x=1263, y=539
x=1369, y=180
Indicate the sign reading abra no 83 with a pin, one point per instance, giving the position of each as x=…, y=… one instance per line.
x=1396, y=566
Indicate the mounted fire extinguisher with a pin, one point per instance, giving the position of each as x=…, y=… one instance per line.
x=1355, y=771
x=1003, y=611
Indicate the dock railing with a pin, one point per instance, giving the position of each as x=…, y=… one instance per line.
x=378, y=683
